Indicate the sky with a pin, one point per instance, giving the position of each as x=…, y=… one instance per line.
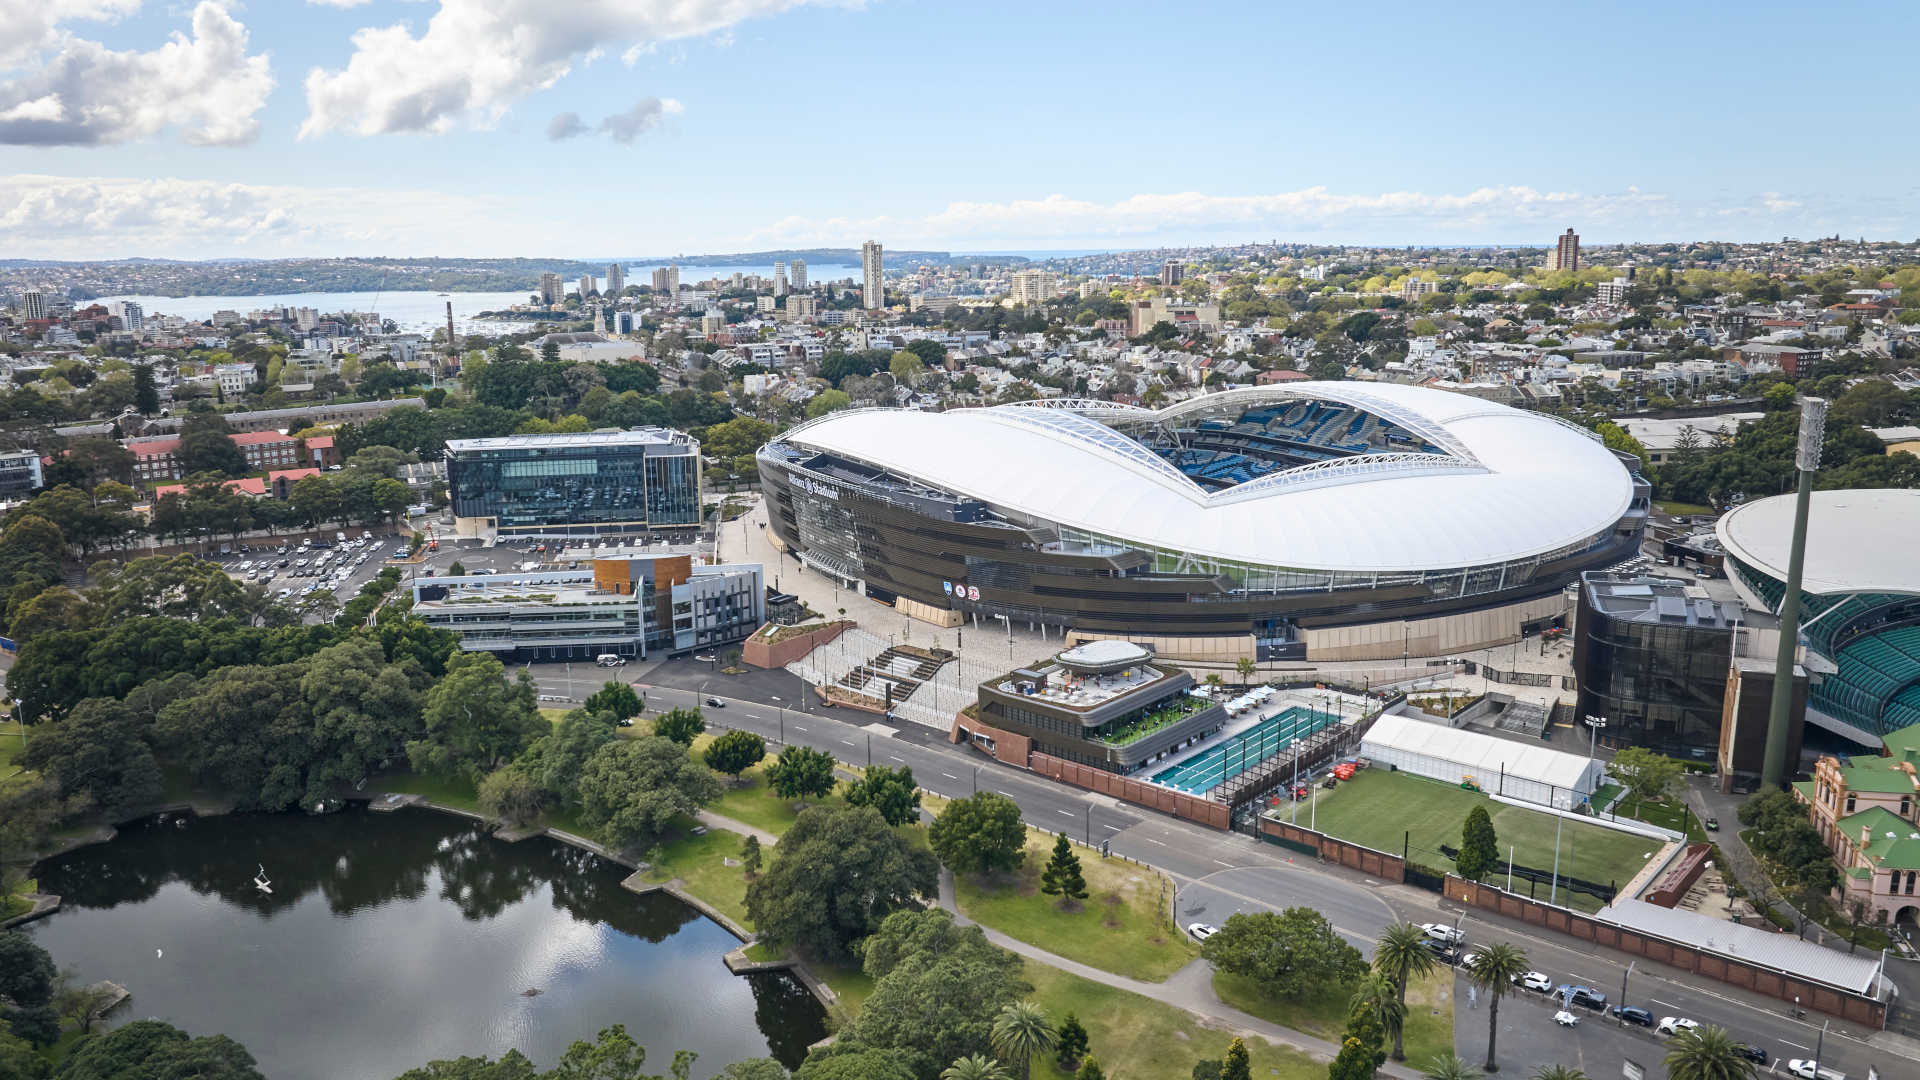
x=634, y=128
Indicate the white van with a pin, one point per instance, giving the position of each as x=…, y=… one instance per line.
x=607, y=659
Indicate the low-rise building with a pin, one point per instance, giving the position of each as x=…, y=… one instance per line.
x=1868, y=812
x=20, y=474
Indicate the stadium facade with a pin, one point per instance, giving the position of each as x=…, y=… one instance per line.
x=1315, y=520
x=1860, y=599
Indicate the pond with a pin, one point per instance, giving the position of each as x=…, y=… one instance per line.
x=389, y=940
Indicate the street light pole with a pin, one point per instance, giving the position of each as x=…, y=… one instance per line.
x=1623, y=990
x=1553, y=893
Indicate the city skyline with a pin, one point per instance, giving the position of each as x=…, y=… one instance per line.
x=134, y=128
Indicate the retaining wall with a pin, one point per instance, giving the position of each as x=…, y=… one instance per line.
x=1153, y=797
x=756, y=651
x=1372, y=863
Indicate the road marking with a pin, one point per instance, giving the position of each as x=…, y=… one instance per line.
x=797, y=727
x=1228, y=865
x=1582, y=978
x=849, y=742
x=1115, y=828
x=896, y=757
x=1668, y=1004
x=1008, y=794
x=949, y=776
x=1151, y=840
x=1795, y=1045
x=1068, y=813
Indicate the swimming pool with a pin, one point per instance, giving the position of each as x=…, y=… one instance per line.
x=1204, y=771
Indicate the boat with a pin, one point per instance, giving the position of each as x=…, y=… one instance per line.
x=260, y=881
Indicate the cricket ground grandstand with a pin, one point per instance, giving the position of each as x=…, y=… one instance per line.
x=1312, y=520
x=1860, y=598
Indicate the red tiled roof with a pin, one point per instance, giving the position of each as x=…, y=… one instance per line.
x=258, y=438
x=320, y=442
x=246, y=485
x=154, y=447
x=274, y=476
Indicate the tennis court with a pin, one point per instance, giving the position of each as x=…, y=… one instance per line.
x=1204, y=771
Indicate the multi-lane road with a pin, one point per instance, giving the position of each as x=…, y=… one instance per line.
x=1217, y=874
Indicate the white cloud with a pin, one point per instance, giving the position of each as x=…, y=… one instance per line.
x=566, y=125
x=339, y=3
x=85, y=94
x=477, y=57
x=60, y=217
x=27, y=26
x=646, y=114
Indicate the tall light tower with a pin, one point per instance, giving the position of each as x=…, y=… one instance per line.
x=1813, y=429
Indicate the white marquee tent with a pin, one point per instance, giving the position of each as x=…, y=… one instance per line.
x=1498, y=766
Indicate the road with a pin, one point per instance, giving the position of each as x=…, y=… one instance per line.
x=1217, y=874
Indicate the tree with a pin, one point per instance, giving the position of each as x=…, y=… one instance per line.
x=554, y=761
x=26, y=989
x=1447, y=1066
x=835, y=875
x=1290, y=954
x=1376, y=1001
x=1245, y=667
x=974, y=1067
x=1479, y=847
x=510, y=796
x=1090, y=1070
x=979, y=834
x=1070, y=1042
x=1062, y=876
x=750, y=855
x=82, y=1003
x=734, y=752
x=827, y=401
x=1559, y=1072
x=801, y=772
x=1645, y=774
x=890, y=791
x=1021, y=1033
x=631, y=790
x=99, y=752
x=1353, y=1062
x=146, y=394
x=1236, y=1065
x=1402, y=955
x=152, y=1050
x=1493, y=971
x=1206, y=1069
x=1706, y=1053
x=476, y=719
x=207, y=446
x=753, y=1069
x=681, y=725
x=937, y=987
x=842, y=1061
x=616, y=699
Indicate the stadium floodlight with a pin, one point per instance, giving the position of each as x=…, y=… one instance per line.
x=1813, y=428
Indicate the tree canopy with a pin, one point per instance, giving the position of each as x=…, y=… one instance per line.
x=836, y=873
x=1290, y=954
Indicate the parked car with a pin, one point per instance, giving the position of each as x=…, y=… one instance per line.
x=1633, y=1014
x=1674, y=1025
x=1712, y=824
x=715, y=703
x=1201, y=931
x=1585, y=996
x=1752, y=1053
x=1808, y=1069
x=1444, y=932
x=1534, y=980
x=1565, y=1018
x=1468, y=960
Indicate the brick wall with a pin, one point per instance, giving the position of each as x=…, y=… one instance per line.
x=1689, y=958
x=1372, y=863
x=757, y=652
x=1204, y=811
x=1007, y=746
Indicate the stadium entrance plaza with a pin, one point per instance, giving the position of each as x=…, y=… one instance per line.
x=999, y=647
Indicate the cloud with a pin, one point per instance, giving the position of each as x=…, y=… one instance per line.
x=27, y=26
x=89, y=95
x=566, y=125
x=646, y=114
x=339, y=3
x=97, y=217
x=476, y=58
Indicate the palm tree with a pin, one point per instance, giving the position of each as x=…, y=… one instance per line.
x=1377, y=993
x=976, y=1067
x=1020, y=1033
x=1706, y=1053
x=1245, y=666
x=1400, y=956
x=1559, y=1072
x=1448, y=1067
x=1494, y=971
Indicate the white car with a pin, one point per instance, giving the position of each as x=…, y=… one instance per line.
x=1565, y=1018
x=1535, y=981
x=1201, y=931
x=1674, y=1025
x=1443, y=932
x=1468, y=961
x=1807, y=1069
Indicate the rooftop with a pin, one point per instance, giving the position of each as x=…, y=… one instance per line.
x=1893, y=843
x=1858, y=541
x=1649, y=599
x=1100, y=656
x=1058, y=685
x=645, y=436
x=1781, y=952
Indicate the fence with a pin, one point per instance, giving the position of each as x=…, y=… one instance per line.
x=1151, y=796
x=1377, y=864
x=1253, y=781
x=1536, y=877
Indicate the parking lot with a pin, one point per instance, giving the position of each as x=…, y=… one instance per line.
x=294, y=570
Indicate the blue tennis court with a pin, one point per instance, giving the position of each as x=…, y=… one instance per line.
x=1204, y=771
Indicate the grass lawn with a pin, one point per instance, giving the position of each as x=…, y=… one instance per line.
x=753, y=803
x=1137, y=1038
x=1378, y=808
x=455, y=793
x=1121, y=927
x=1678, y=509
x=16, y=902
x=700, y=863
x=12, y=740
x=1429, y=1011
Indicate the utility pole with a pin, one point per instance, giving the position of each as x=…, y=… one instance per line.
x=1553, y=894
x=1623, y=990
x=1813, y=428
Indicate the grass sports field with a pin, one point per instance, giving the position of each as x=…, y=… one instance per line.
x=1376, y=808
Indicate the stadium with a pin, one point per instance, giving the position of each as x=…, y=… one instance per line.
x=1860, y=599
x=1312, y=520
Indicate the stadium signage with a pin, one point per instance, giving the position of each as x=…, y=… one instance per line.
x=812, y=487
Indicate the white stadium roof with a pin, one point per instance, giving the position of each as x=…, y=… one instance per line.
x=1858, y=540
x=1508, y=485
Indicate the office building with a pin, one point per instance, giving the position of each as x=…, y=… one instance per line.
x=34, y=304
x=20, y=474
x=616, y=279
x=1103, y=704
x=779, y=279
x=1566, y=254
x=873, y=296
x=550, y=485
x=1172, y=272
x=630, y=605
x=1033, y=286
x=551, y=289
x=797, y=273
x=666, y=280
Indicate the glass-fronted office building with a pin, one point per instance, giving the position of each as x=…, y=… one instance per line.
x=1651, y=656
x=602, y=481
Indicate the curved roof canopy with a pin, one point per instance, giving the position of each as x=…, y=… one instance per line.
x=1858, y=540
x=1507, y=485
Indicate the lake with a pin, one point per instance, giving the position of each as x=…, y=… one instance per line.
x=393, y=939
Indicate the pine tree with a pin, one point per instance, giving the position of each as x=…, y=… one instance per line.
x=1069, y=1041
x=1062, y=876
x=1090, y=1070
x=750, y=854
x=1479, y=847
x=1236, y=1066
